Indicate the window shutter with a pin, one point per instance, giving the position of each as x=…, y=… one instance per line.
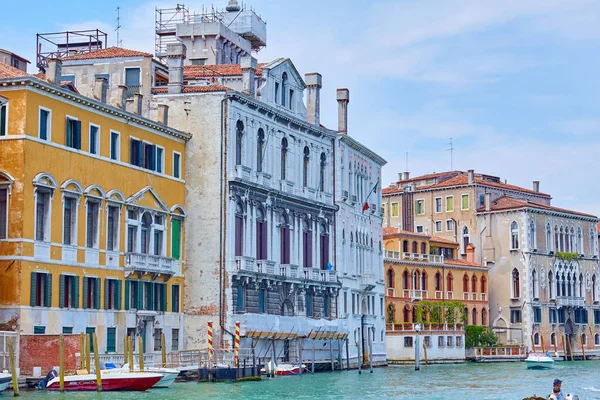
x=239, y=228
x=69, y=140
x=264, y=240
x=43, y=125
x=174, y=298
x=139, y=152
x=61, y=291
x=163, y=297
x=127, y=284
x=76, y=292
x=97, y=294
x=33, y=288
x=131, y=151
x=48, y=294
x=139, y=300
x=150, y=296
x=85, y=292
x=153, y=157
x=106, y=294
x=118, y=295
x=77, y=135
x=176, y=239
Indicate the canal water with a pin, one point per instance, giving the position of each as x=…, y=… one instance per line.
x=500, y=381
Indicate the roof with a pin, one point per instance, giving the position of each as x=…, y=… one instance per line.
x=215, y=87
x=461, y=263
x=396, y=231
x=505, y=203
x=6, y=71
x=204, y=71
x=109, y=52
x=15, y=55
x=63, y=84
x=440, y=239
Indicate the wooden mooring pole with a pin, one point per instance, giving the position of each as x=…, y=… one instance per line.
x=130, y=352
x=13, y=366
x=88, y=341
x=331, y=355
x=82, y=350
x=299, y=344
x=564, y=347
x=425, y=352
x=163, y=350
x=348, y=354
x=125, y=356
x=542, y=339
x=313, y=356
x=141, y=353
x=97, y=362
x=61, y=363
x=582, y=348
x=570, y=348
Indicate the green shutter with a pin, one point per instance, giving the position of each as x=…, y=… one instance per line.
x=77, y=135
x=150, y=296
x=48, y=294
x=118, y=295
x=76, y=292
x=3, y=120
x=127, y=284
x=139, y=302
x=176, y=239
x=97, y=294
x=61, y=291
x=163, y=297
x=33, y=288
x=173, y=298
x=106, y=286
x=69, y=141
x=85, y=292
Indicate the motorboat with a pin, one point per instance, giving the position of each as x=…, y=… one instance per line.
x=5, y=380
x=283, y=369
x=539, y=361
x=169, y=374
x=131, y=381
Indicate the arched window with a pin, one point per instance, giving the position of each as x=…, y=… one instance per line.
x=474, y=317
x=284, y=150
x=305, y=166
x=592, y=243
x=146, y=232
x=563, y=285
x=466, y=316
x=284, y=78
x=260, y=149
x=556, y=248
x=351, y=237
x=405, y=246
x=474, y=284
x=579, y=241
x=414, y=314
x=534, y=284
x=465, y=239
x=416, y=281
x=414, y=247
x=584, y=339
x=483, y=317
x=465, y=283
x=573, y=244
x=594, y=294
x=449, y=280
x=285, y=240
x=516, y=287
x=438, y=281
x=536, y=339
x=424, y=281
x=597, y=339
x=550, y=285
x=239, y=230
x=548, y=237
x=390, y=278
x=423, y=248
x=406, y=314
x=324, y=246
x=581, y=290
x=562, y=239
x=239, y=142
x=514, y=235
x=405, y=282
x=261, y=235
x=322, y=173
x=532, y=234
x=483, y=284
x=553, y=339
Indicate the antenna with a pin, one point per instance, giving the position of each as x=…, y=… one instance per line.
x=451, y=150
x=118, y=28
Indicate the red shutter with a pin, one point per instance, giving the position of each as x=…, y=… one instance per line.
x=239, y=229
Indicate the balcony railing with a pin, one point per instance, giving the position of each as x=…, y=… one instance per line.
x=247, y=264
x=416, y=294
x=286, y=186
x=450, y=295
x=438, y=295
x=433, y=258
x=465, y=295
x=391, y=292
x=367, y=281
x=288, y=270
x=131, y=90
x=265, y=267
x=242, y=172
x=148, y=263
x=570, y=301
x=483, y=296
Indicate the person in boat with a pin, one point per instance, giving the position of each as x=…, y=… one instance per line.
x=557, y=393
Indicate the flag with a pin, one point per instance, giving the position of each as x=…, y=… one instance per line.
x=366, y=205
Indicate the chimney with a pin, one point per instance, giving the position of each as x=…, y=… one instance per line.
x=122, y=97
x=488, y=202
x=399, y=176
x=54, y=71
x=175, y=57
x=470, y=250
x=249, y=67
x=405, y=176
x=137, y=103
x=100, y=89
x=314, y=82
x=343, y=98
x=471, y=173
x=536, y=186
x=163, y=114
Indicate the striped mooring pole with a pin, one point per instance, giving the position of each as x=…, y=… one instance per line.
x=210, y=343
x=237, y=343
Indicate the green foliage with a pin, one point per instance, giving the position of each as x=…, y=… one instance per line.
x=479, y=336
x=440, y=312
x=391, y=314
x=432, y=249
x=566, y=256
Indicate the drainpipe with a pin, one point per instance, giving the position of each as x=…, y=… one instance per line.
x=221, y=285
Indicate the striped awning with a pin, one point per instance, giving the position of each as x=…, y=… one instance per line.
x=256, y=334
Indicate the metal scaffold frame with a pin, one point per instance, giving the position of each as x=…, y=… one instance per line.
x=66, y=43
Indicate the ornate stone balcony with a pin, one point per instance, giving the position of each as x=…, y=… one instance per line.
x=148, y=263
x=570, y=301
x=367, y=282
x=432, y=258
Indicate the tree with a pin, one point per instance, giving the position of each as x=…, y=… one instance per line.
x=479, y=336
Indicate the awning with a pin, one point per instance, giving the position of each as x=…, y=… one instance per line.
x=319, y=335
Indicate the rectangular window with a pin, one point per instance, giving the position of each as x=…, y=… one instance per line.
x=131, y=238
x=91, y=293
x=45, y=124
x=464, y=202
x=158, y=242
x=157, y=339
x=90, y=332
x=176, y=165
x=537, y=315
x=94, y=139
x=174, y=339
x=159, y=159
x=175, y=238
x=175, y=298
x=111, y=340
x=105, y=76
x=135, y=152
x=3, y=213
x=92, y=224
x=353, y=304
x=3, y=119
x=149, y=156
x=73, y=135
x=552, y=315
x=450, y=203
x=419, y=228
x=561, y=316
x=42, y=217
x=69, y=221
x=438, y=226
x=67, y=330
x=41, y=289
x=395, y=211
x=241, y=299
x=408, y=341
x=420, y=207
x=69, y=291
x=459, y=341
x=39, y=330
x=441, y=341
x=427, y=341
x=449, y=225
x=262, y=297
x=132, y=81
x=115, y=145
x=515, y=316
x=345, y=302
x=438, y=204
x=596, y=317
x=450, y=341
x=309, y=305
x=112, y=228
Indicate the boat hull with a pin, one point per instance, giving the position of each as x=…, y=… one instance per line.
x=5, y=382
x=539, y=364
x=288, y=371
x=85, y=383
x=167, y=380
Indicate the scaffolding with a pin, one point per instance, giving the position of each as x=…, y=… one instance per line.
x=166, y=20
x=67, y=43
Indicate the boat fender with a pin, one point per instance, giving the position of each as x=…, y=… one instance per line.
x=43, y=382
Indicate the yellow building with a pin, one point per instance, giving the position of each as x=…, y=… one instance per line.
x=91, y=216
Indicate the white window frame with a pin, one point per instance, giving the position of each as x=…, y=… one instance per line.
x=4, y=103
x=74, y=221
x=512, y=247
x=97, y=200
x=446, y=203
x=118, y=152
x=162, y=159
x=451, y=226
x=97, y=154
x=67, y=118
x=48, y=123
x=116, y=241
x=468, y=201
x=173, y=166
x=392, y=210
x=441, y=205
x=135, y=223
x=162, y=228
x=416, y=208
x=435, y=226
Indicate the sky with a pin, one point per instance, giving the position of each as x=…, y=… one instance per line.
x=515, y=84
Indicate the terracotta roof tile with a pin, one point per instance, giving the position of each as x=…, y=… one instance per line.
x=461, y=263
x=109, y=52
x=6, y=71
x=395, y=231
x=440, y=239
x=207, y=71
x=196, y=89
x=510, y=203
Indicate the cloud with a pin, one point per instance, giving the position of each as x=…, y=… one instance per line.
x=578, y=127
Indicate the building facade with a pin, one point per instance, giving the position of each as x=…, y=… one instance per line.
x=13, y=60
x=91, y=218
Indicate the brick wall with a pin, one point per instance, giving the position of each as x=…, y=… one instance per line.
x=44, y=351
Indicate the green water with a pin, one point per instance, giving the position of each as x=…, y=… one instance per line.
x=468, y=381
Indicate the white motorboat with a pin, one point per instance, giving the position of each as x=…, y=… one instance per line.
x=5, y=380
x=136, y=381
x=539, y=361
x=282, y=369
x=169, y=374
